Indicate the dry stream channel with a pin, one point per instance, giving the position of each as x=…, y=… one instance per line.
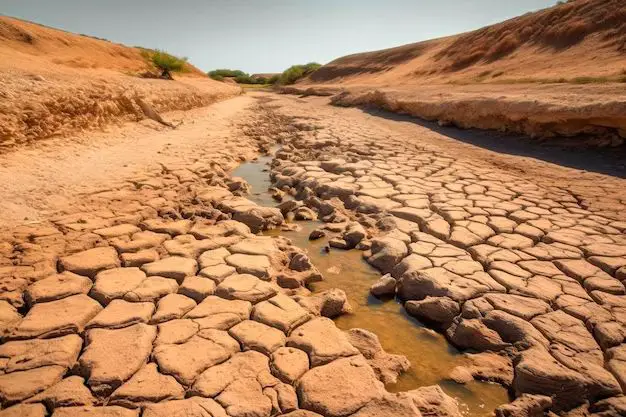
x=431, y=356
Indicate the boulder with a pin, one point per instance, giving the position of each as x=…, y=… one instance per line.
x=385, y=286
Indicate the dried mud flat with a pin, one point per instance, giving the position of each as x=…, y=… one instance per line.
x=157, y=296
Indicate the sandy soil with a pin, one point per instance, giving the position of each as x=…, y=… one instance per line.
x=55, y=83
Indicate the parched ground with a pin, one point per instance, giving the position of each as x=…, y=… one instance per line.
x=145, y=290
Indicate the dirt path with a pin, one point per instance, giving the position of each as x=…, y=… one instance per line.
x=141, y=268
x=47, y=177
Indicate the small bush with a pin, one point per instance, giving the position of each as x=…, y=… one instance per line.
x=167, y=62
x=221, y=73
x=296, y=72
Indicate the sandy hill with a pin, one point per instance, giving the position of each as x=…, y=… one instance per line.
x=580, y=38
x=558, y=72
x=57, y=83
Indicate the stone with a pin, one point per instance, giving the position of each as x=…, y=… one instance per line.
x=118, y=230
x=397, y=405
x=440, y=310
x=147, y=386
x=115, y=283
x=90, y=262
x=9, y=317
x=197, y=288
x=330, y=303
x=56, y=287
x=109, y=411
x=175, y=267
x=354, y=234
x=172, y=306
x=17, y=386
x=113, y=356
x=214, y=257
x=432, y=401
x=139, y=258
x=385, y=286
x=526, y=405
x=22, y=355
x=257, y=265
x=191, y=407
x=69, y=392
x=57, y=318
x=280, y=312
x=289, y=364
x=173, y=228
x=386, y=253
x=245, y=287
x=257, y=336
x=121, y=313
x=220, y=312
x=339, y=388
x=24, y=410
x=322, y=341
x=152, y=289
x=386, y=366
x=218, y=272
x=186, y=361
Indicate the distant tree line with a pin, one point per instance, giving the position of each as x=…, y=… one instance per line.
x=289, y=76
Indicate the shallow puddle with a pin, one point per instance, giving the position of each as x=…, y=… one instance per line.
x=431, y=356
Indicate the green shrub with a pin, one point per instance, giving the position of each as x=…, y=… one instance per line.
x=167, y=62
x=295, y=72
x=225, y=73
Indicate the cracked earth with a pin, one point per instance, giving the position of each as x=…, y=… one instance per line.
x=157, y=294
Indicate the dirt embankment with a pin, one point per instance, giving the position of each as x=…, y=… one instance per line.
x=56, y=83
x=555, y=72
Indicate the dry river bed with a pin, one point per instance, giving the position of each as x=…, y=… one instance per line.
x=171, y=292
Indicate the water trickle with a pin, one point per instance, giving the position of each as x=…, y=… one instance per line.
x=431, y=356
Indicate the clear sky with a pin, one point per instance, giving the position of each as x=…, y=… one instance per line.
x=267, y=35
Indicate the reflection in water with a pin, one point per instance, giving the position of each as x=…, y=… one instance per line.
x=431, y=356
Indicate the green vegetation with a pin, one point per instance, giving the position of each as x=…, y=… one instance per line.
x=164, y=61
x=295, y=72
x=289, y=76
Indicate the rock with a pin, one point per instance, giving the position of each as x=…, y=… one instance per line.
x=386, y=366
x=339, y=388
x=24, y=410
x=112, y=411
x=440, y=310
x=69, y=392
x=9, y=317
x=197, y=288
x=121, y=313
x=474, y=334
x=354, y=234
x=330, y=303
x=489, y=366
x=172, y=306
x=173, y=228
x=175, y=267
x=317, y=234
x=300, y=262
x=186, y=361
x=217, y=273
x=23, y=355
x=56, y=318
x=257, y=336
x=338, y=243
x=280, y=312
x=115, y=283
x=431, y=401
x=245, y=287
x=147, y=386
x=17, y=386
x=397, y=405
x=191, y=407
x=257, y=265
x=152, y=289
x=289, y=364
x=118, y=230
x=56, y=287
x=385, y=286
x=386, y=253
x=90, y=262
x=322, y=341
x=304, y=213
x=113, y=356
x=525, y=406
x=139, y=258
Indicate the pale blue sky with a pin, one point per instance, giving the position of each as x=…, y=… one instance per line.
x=267, y=35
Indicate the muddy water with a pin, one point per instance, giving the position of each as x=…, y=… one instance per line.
x=431, y=356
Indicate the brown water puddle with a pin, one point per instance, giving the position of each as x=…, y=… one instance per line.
x=431, y=356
